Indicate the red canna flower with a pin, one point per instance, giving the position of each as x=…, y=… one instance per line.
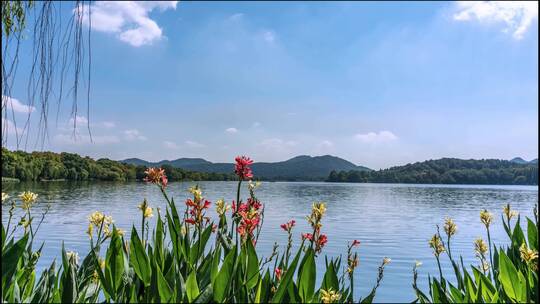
x=355, y=243
x=323, y=239
x=288, y=226
x=278, y=272
x=191, y=221
x=156, y=176
x=307, y=236
x=242, y=169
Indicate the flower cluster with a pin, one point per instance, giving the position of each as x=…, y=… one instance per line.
x=436, y=244
x=250, y=217
x=28, y=198
x=221, y=207
x=509, y=212
x=197, y=207
x=486, y=217
x=101, y=222
x=329, y=296
x=316, y=238
x=146, y=209
x=242, y=169
x=288, y=226
x=529, y=256
x=450, y=227
x=352, y=259
x=279, y=273
x=480, y=247
x=156, y=176
x=5, y=197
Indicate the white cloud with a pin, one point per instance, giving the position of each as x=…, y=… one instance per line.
x=129, y=20
x=134, y=134
x=326, y=144
x=193, y=144
x=516, y=15
x=374, y=137
x=108, y=124
x=269, y=36
x=277, y=143
x=77, y=139
x=10, y=103
x=80, y=120
x=236, y=16
x=9, y=127
x=171, y=145
x=231, y=130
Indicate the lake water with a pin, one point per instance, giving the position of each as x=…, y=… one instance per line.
x=390, y=220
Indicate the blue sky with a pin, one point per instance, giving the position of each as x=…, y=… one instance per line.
x=379, y=84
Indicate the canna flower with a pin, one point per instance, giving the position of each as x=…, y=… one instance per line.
x=242, y=169
x=486, y=217
x=307, y=236
x=527, y=254
x=288, y=226
x=355, y=243
x=278, y=272
x=252, y=186
x=72, y=255
x=450, y=227
x=196, y=191
x=318, y=209
x=156, y=176
x=197, y=206
x=484, y=266
x=121, y=232
x=386, y=261
x=417, y=264
x=90, y=230
x=509, y=212
x=96, y=218
x=27, y=198
x=436, y=244
x=145, y=209
x=221, y=207
x=329, y=296
x=4, y=197
x=480, y=247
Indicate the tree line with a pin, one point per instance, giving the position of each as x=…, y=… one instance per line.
x=447, y=171
x=39, y=166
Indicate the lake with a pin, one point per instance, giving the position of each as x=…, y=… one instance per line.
x=390, y=220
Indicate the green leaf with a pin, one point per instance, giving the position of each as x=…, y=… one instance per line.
x=286, y=279
x=223, y=278
x=206, y=295
x=114, y=263
x=69, y=285
x=532, y=234
x=307, y=277
x=192, y=289
x=510, y=280
x=10, y=260
x=253, y=266
x=215, y=265
x=330, y=279
x=198, y=248
x=138, y=259
x=165, y=291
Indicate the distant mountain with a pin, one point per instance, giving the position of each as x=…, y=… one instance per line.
x=303, y=167
x=519, y=160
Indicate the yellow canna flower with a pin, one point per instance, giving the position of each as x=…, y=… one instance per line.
x=450, y=227
x=121, y=232
x=90, y=230
x=486, y=217
x=73, y=255
x=417, y=264
x=386, y=261
x=253, y=185
x=4, y=197
x=329, y=296
x=485, y=266
x=221, y=207
x=319, y=209
x=527, y=254
x=480, y=247
x=27, y=198
x=146, y=210
x=197, y=193
x=436, y=244
x=509, y=212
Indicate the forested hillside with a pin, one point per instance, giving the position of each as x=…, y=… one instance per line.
x=447, y=171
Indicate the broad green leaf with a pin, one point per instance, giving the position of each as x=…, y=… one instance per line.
x=165, y=291
x=286, y=279
x=509, y=278
x=114, y=261
x=10, y=259
x=138, y=258
x=198, y=248
x=222, y=281
x=306, y=284
x=532, y=234
x=253, y=266
x=192, y=289
x=69, y=284
x=206, y=295
x=330, y=279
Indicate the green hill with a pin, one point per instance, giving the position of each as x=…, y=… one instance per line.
x=448, y=171
x=301, y=167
